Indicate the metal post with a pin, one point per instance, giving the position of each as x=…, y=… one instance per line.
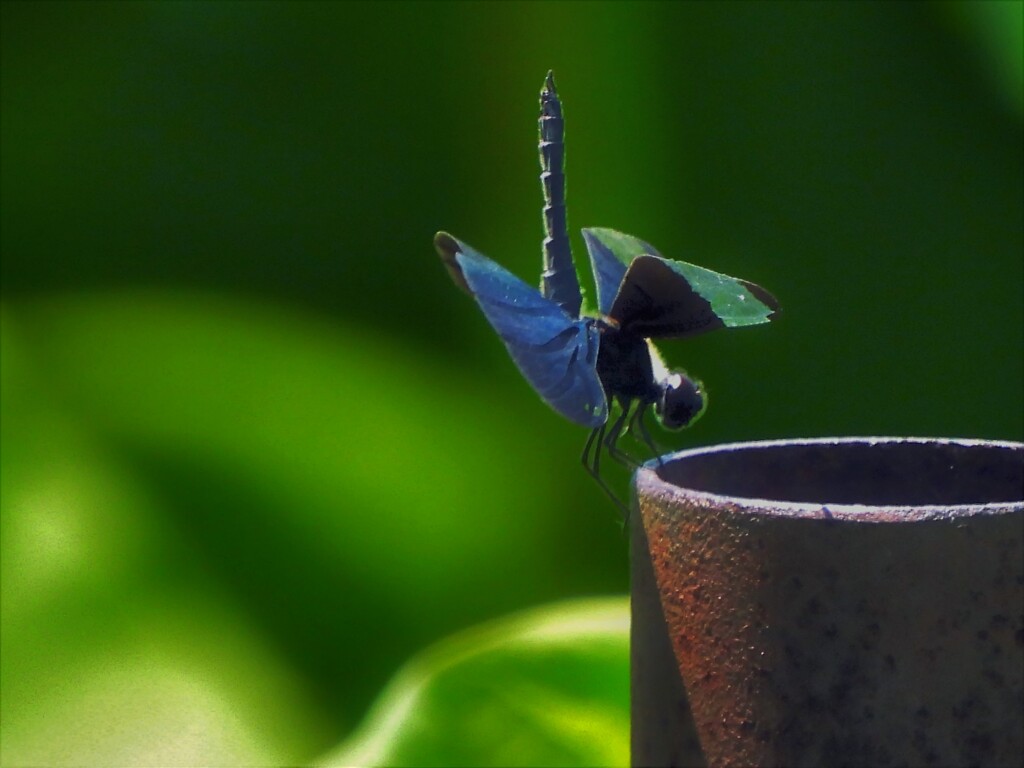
x=853, y=601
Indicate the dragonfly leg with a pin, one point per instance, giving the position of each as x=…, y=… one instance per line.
x=593, y=466
x=612, y=440
x=645, y=435
x=595, y=434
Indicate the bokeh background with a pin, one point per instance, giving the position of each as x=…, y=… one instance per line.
x=256, y=449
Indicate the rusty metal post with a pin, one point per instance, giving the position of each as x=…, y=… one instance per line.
x=852, y=601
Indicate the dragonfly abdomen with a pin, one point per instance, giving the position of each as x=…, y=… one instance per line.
x=558, y=279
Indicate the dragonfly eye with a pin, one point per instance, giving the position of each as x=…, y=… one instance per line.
x=682, y=401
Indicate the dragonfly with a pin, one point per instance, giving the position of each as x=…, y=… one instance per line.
x=587, y=366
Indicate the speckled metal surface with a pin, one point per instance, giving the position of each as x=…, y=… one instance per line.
x=855, y=601
x=662, y=727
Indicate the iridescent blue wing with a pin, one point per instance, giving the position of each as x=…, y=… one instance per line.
x=611, y=253
x=663, y=298
x=555, y=352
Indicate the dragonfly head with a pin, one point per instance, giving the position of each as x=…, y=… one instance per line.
x=681, y=401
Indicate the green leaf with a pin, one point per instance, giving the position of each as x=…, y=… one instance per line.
x=116, y=650
x=316, y=418
x=341, y=490
x=547, y=687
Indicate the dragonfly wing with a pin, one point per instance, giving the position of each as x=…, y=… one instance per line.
x=611, y=253
x=662, y=298
x=555, y=352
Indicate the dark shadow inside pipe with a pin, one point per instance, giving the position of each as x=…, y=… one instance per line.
x=870, y=471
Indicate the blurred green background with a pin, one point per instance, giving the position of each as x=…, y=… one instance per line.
x=257, y=451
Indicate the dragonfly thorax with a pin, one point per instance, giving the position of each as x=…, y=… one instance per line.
x=631, y=369
x=624, y=366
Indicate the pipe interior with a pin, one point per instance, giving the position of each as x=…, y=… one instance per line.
x=893, y=473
